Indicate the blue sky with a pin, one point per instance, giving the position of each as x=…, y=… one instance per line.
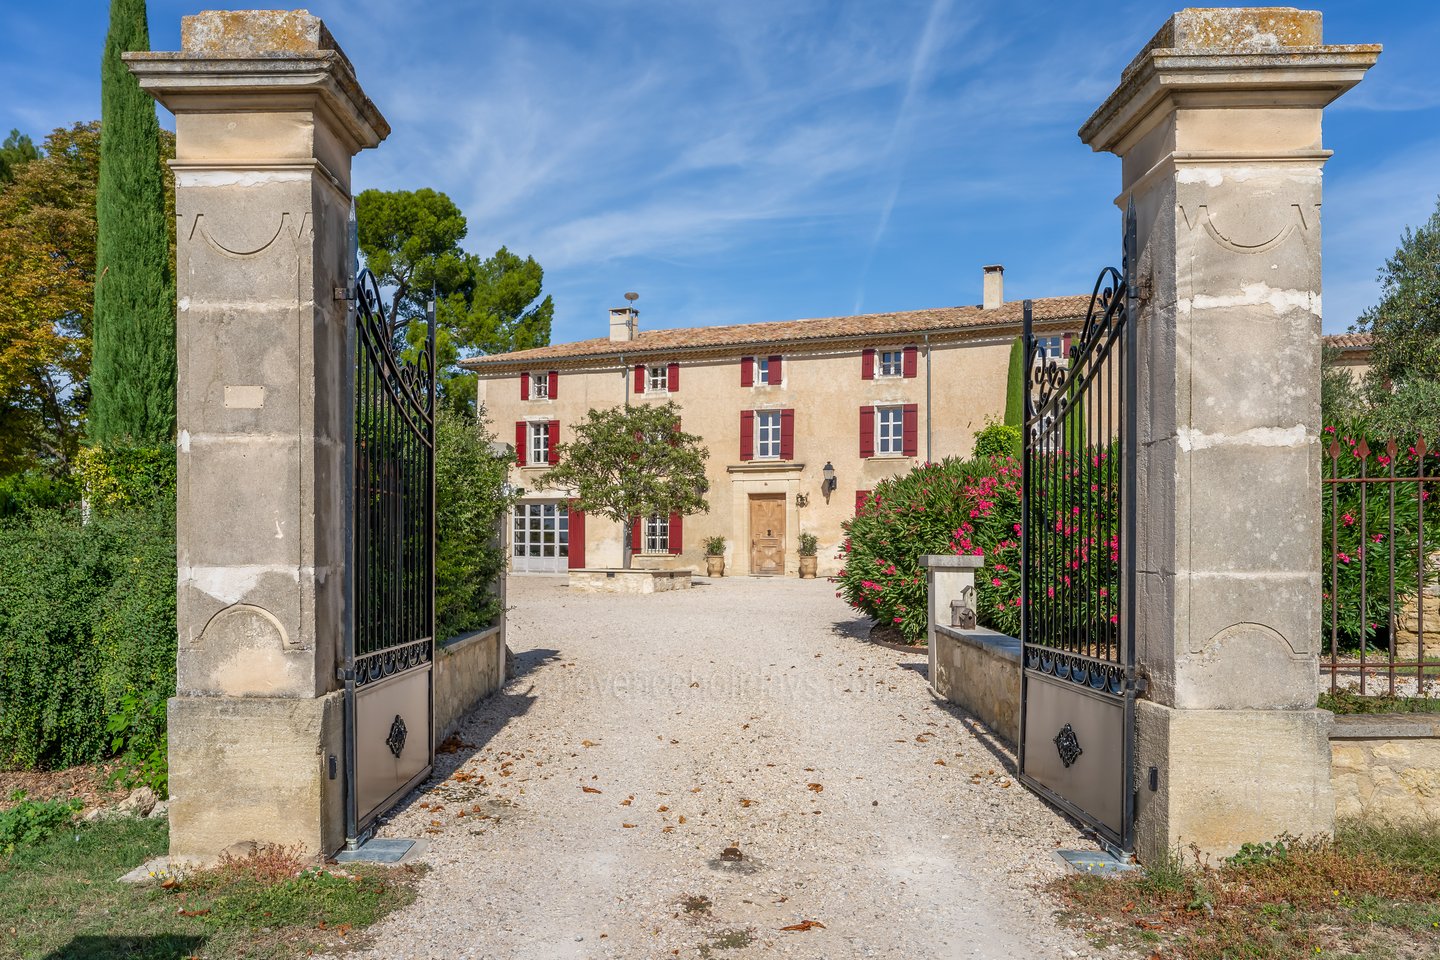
x=742, y=161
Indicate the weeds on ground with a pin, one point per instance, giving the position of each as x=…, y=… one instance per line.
x=29, y=822
x=59, y=898
x=1348, y=702
x=1372, y=892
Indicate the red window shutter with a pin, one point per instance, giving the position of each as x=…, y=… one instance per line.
x=637, y=535
x=867, y=363
x=554, y=384
x=747, y=434
x=577, y=539
x=1065, y=346
x=521, y=436
x=672, y=376
x=912, y=429
x=912, y=357
x=747, y=371
x=776, y=377
x=787, y=434
x=861, y=498
x=639, y=378
x=677, y=534
x=867, y=432
x=554, y=442
x=525, y=386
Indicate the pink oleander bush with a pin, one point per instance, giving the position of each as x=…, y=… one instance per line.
x=1359, y=540
x=952, y=507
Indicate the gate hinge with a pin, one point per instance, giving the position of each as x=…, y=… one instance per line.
x=344, y=675
x=344, y=293
x=1140, y=685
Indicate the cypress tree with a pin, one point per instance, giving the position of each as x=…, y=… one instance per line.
x=132, y=376
x=1015, y=385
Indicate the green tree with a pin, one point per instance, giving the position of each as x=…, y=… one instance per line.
x=626, y=463
x=411, y=242
x=17, y=150
x=1340, y=398
x=132, y=381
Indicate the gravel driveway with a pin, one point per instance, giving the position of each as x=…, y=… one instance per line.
x=643, y=736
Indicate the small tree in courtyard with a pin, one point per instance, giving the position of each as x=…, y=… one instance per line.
x=628, y=463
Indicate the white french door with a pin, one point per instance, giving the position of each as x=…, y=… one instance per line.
x=540, y=537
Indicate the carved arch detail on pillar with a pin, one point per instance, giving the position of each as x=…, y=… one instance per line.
x=256, y=626
x=1201, y=216
x=201, y=228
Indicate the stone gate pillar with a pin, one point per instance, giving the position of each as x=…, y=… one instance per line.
x=1217, y=124
x=268, y=115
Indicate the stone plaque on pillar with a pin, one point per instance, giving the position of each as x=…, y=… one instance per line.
x=1217, y=124
x=268, y=115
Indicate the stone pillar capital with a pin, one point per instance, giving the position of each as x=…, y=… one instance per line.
x=1248, y=59
x=278, y=64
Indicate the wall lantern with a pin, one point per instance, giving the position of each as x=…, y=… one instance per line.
x=828, y=484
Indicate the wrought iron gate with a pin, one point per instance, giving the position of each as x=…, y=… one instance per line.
x=1078, y=685
x=389, y=648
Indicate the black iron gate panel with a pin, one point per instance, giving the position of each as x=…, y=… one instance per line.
x=390, y=647
x=1078, y=578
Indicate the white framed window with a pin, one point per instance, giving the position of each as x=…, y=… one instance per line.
x=539, y=452
x=762, y=370
x=539, y=386
x=1050, y=348
x=657, y=379
x=767, y=434
x=541, y=536
x=889, y=430
x=890, y=363
x=657, y=534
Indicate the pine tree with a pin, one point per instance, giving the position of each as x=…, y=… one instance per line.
x=132, y=376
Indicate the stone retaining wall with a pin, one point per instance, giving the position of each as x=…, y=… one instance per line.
x=629, y=581
x=468, y=669
x=1386, y=767
x=979, y=670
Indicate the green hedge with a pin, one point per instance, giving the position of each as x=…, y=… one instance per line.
x=87, y=632
x=470, y=502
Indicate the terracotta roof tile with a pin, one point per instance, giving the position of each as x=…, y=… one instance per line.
x=1049, y=309
x=1348, y=341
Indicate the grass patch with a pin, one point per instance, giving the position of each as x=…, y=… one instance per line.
x=1350, y=702
x=727, y=940
x=1373, y=892
x=59, y=899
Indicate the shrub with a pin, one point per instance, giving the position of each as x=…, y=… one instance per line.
x=809, y=543
x=33, y=490
x=715, y=546
x=30, y=821
x=470, y=502
x=952, y=507
x=117, y=476
x=997, y=440
x=87, y=624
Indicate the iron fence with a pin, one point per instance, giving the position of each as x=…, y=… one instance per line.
x=1381, y=574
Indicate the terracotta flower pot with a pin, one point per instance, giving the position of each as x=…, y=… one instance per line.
x=807, y=568
x=715, y=566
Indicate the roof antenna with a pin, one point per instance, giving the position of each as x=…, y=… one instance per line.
x=632, y=297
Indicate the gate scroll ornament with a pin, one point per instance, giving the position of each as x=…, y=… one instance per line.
x=1078, y=574
x=390, y=644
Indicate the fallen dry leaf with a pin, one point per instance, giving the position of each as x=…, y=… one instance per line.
x=805, y=925
x=745, y=803
x=589, y=789
x=587, y=743
x=627, y=826
x=661, y=809
x=816, y=787
x=939, y=763
x=682, y=818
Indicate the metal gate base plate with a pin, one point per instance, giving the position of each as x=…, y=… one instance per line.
x=378, y=851
x=1094, y=862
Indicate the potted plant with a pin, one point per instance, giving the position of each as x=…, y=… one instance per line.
x=808, y=545
x=715, y=556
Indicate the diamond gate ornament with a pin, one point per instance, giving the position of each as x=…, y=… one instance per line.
x=396, y=740
x=1065, y=741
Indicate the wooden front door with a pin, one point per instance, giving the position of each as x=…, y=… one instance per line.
x=767, y=535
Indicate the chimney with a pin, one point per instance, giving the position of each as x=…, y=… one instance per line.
x=994, y=286
x=624, y=324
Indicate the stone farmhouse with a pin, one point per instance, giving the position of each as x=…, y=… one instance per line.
x=802, y=419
